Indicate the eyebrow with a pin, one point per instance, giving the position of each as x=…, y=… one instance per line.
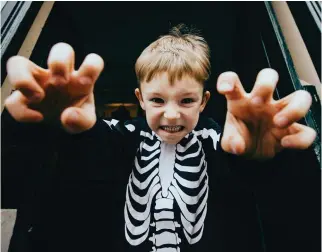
x=188, y=94
x=154, y=93
x=183, y=94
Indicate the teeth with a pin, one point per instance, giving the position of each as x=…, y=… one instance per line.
x=172, y=128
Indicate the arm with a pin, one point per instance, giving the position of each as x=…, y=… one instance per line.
x=47, y=106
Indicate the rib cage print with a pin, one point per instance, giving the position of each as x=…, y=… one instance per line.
x=165, y=180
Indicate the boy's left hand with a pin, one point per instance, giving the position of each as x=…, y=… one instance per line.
x=258, y=126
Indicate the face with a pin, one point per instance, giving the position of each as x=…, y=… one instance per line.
x=172, y=111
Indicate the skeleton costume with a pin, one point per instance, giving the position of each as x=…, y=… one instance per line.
x=118, y=187
x=167, y=190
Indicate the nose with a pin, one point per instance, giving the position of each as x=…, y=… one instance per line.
x=171, y=112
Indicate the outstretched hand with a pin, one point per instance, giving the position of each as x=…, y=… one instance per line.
x=58, y=93
x=258, y=126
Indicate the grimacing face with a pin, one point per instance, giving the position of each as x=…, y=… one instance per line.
x=172, y=111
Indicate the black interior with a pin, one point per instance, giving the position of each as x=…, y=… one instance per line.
x=120, y=31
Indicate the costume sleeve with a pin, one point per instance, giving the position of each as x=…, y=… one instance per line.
x=38, y=157
x=220, y=162
x=209, y=131
x=26, y=149
x=102, y=153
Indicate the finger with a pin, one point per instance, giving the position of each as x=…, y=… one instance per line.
x=61, y=61
x=16, y=106
x=232, y=142
x=88, y=73
x=264, y=86
x=22, y=73
x=294, y=107
x=229, y=85
x=302, y=139
x=76, y=120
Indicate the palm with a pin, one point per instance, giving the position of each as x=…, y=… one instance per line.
x=262, y=138
x=59, y=93
x=60, y=97
x=253, y=123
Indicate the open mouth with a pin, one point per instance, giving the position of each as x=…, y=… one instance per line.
x=172, y=129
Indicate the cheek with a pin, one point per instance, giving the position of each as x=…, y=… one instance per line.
x=153, y=115
x=194, y=120
x=191, y=117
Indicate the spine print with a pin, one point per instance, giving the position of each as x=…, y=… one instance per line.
x=164, y=177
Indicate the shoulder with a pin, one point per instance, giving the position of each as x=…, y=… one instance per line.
x=208, y=123
x=134, y=125
x=208, y=129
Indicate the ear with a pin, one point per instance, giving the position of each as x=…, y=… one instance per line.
x=205, y=99
x=139, y=96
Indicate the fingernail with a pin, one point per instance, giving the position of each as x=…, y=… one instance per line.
x=257, y=101
x=225, y=86
x=285, y=143
x=74, y=115
x=233, y=148
x=281, y=121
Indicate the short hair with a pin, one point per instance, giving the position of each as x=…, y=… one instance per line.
x=181, y=52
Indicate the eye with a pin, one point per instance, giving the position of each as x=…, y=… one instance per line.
x=157, y=100
x=187, y=100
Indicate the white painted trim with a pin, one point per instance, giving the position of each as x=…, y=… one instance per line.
x=301, y=58
x=314, y=13
x=21, y=8
x=29, y=43
x=8, y=219
x=3, y=4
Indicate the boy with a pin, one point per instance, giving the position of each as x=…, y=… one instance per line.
x=171, y=155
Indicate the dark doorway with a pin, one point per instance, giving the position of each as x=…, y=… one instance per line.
x=120, y=31
x=276, y=213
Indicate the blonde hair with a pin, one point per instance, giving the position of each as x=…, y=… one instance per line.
x=181, y=52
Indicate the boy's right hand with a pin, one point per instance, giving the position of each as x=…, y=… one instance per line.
x=58, y=93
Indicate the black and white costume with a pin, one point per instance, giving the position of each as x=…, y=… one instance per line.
x=167, y=180
x=118, y=187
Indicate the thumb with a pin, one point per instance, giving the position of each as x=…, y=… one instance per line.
x=232, y=141
x=79, y=119
x=301, y=137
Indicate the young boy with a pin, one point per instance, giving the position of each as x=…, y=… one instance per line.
x=167, y=201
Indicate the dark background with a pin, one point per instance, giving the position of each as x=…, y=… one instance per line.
x=284, y=193
x=120, y=31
